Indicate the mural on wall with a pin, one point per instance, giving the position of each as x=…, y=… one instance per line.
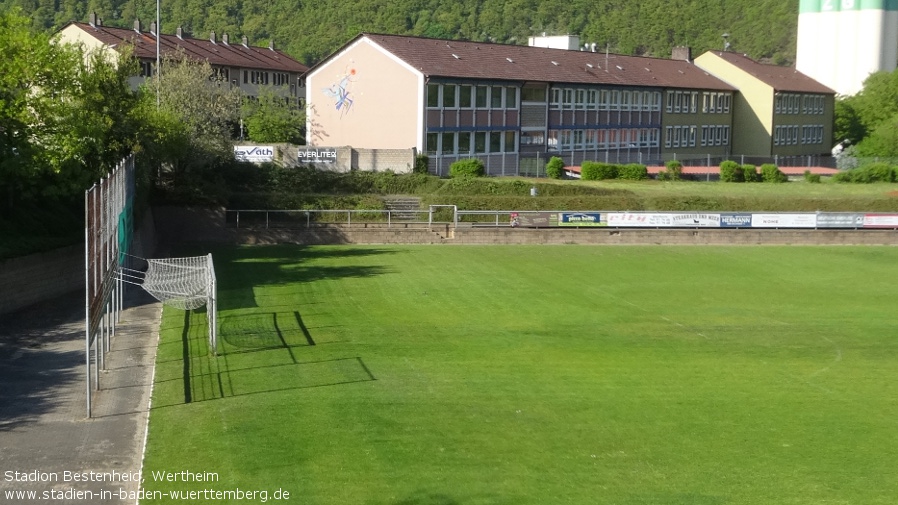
x=340, y=92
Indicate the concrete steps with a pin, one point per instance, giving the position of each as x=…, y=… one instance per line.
x=404, y=208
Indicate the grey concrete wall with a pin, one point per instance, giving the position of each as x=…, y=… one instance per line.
x=38, y=277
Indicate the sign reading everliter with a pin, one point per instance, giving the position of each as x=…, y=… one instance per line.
x=254, y=154
x=316, y=155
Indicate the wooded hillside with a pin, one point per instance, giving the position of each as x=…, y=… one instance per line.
x=310, y=30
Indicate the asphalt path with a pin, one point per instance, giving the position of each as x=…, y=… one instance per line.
x=50, y=451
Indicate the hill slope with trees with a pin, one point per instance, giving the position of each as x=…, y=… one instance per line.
x=309, y=31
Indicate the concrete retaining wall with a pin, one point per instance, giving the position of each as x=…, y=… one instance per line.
x=39, y=277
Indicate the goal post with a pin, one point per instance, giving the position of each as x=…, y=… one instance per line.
x=185, y=283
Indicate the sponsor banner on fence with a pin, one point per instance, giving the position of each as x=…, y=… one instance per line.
x=254, y=154
x=880, y=220
x=839, y=220
x=696, y=220
x=783, y=220
x=534, y=219
x=633, y=219
x=316, y=155
x=735, y=220
x=580, y=219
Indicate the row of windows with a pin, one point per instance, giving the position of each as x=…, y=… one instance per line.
x=605, y=99
x=685, y=136
x=686, y=102
x=791, y=135
x=791, y=103
x=567, y=140
x=467, y=96
x=472, y=142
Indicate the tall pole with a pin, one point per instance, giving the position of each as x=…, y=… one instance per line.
x=158, y=67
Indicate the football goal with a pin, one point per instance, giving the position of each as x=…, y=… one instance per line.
x=183, y=283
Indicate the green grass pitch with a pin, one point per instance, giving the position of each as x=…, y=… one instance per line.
x=455, y=375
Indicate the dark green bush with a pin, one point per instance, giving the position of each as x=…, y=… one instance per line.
x=673, y=172
x=750, y=173
x=809, y=177
x=772, y=173
x=422, y=162
x=632, y=172
x=730, y=171
x=555, y=168
x=471, y=167
x=596, y=171
x=874, y=172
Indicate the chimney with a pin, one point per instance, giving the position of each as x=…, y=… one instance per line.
x=137, y=25
x=245, y=41
x=212, y=36
x=682, y=53
x=92, y=19
x=224, y=38
x=99, y=21
x=271, y=44
x=153, y=28
x=180, y=33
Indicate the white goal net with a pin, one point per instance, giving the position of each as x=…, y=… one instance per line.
x=186, y=284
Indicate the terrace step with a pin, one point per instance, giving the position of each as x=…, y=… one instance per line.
x=404, y=208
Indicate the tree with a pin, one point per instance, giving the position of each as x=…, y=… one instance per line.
x=65, y=118
x=272, y=117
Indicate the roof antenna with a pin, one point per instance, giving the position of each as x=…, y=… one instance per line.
x=606, y=56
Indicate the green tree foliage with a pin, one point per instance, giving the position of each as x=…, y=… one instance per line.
x=471, y=167
x=65, y=119
x=772, y=173
x=763, y=29
x=271, y=117
x=730, y=171
x=555, y=168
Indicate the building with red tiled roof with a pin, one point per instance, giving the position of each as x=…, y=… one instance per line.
x=241, y=64
x=515, y=106
x=779, y=111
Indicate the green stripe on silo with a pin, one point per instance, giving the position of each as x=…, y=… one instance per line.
x=811, y=6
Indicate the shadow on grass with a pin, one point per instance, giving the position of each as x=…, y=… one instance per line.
x=239, y=269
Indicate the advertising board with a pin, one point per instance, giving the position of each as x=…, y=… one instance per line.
x=307, y=155
x=254, y=154
x=783, y=220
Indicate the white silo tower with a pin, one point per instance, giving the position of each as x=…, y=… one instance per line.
x=841, y=42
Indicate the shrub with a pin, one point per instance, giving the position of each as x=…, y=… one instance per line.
x=633, y=172
x=555, y=168
x=421, y=163
x=874, y=172
x=595, y=171
x=471, y=167
x=809, y=177
x=750, y=173
x=772, y=173
x=674, y=171
x=730, y=171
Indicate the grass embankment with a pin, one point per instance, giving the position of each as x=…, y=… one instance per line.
x=537, y=374
x=272, y=188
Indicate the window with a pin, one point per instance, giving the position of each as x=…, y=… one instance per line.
x=432, y=142
x=579, y=136
x=637, y=100
x=465, y=96
x=480, y=97
x=146, y=69
x=615, y=100
x=691, y=132
x=604, y=99
x=532, y=138
x=668, y=136
x=556, y=99
x=566, y=139
x=726, y=135
x=433, y=95
x=552, y=140
x=479, y=142
x=448, y=146
x=511, y=98
x=449, y=96
x=496, y=97
x=591, y=137
x=511, y=142
x=625, y=100
x=533, y=94
x=495, y=142
x=656, y=105
x=464, y=142
x=670, y=100
x=693, y=102
x=592, y=99
x=568, y=101
x=581, y=99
